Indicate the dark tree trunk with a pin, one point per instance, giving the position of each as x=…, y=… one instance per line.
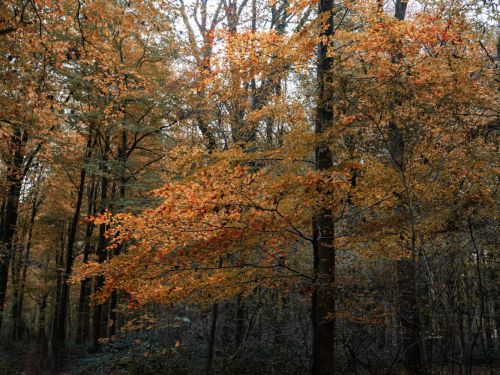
x=323, y=299
x=211, y=339
x=413, y=346
x=85, y=284
x=18, y=302
x=42, y=319
x=97, y=318
x=122, y=155
x=14, y=182
x=59, y=277
x=409, y=316
x=59, y=333
x=2, y=218
x=16, y=266
x=82, y=333
x=42, y=336
x=240, y=321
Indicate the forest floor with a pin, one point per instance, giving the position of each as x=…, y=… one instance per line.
x=29, y=359
x=25, y=359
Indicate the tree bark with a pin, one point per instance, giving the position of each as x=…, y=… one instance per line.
x=323, y=298
x=413, y=346
x=18, y=302
x=97, y=318
x=14, y=182
x=59, y=333
x=122, y=156
x=85, y=285
x=211, y=339
x=240, y=321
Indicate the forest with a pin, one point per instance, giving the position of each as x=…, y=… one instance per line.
x=220, y=187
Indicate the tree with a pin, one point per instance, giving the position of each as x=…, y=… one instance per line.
x=323, y=299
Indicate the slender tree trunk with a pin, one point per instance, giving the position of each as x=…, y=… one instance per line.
x=41, y=318
x=240, y=321
x=17, y=312
x=97, y=318
x=42, y=329
x=407, y=309
x=413, y=346
x=323, y=299
x=2, y=218
x=211, y=339
x=59, y=333
x=85, y=284
x=17, y=264
x=122, y=188
x=14, y=182
x=59, y=277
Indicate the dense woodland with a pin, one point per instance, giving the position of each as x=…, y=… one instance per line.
x=249, y=187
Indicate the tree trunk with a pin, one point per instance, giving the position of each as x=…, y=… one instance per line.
x=240, y=322
x=211, y=339
x=59, y=333
x=17, y=264
x=413, y=341
x=323, y=299
x=59, y=278
x=14, y=182
x=122, y=155
x=42, y=336
x=85, y=284
x=17, y=311
x=407, y=310
x=97, y=318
